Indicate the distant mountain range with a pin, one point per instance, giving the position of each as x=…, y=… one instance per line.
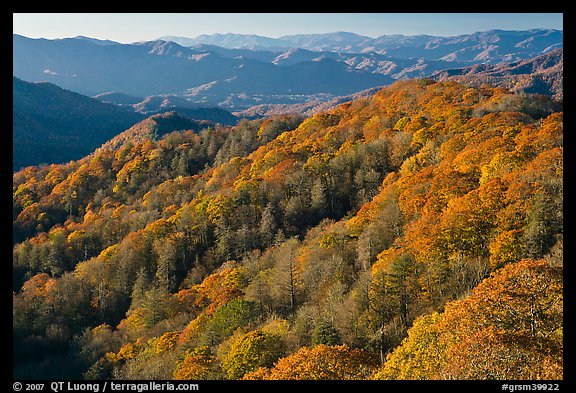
x=161, y=103
x=57, y=121
x=306, y=109
x=542, y=74
x=491, y=46
x=237, y=72
x=159, y=67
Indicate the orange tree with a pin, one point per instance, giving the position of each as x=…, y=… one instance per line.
x=321, y=362
x=510, y=327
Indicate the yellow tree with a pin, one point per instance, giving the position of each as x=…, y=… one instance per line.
x=510, y=327
x=249, y=352
x=420, y=355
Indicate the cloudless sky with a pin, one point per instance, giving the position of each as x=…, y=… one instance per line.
x=128, y=27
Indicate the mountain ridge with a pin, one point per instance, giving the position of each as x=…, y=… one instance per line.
x=542, y=74
x=161, y=103
x=55, y=125
x=236, y=79
x=51, y=124
x=168, y=68
x=398, y=45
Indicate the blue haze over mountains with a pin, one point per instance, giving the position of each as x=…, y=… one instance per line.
x=493, y=45
x=236, y=71
x=206, y=78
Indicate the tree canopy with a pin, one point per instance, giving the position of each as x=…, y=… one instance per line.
x=414, y=234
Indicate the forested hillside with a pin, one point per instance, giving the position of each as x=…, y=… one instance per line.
x=53, y=125
x=415, y=234
x=542, y=74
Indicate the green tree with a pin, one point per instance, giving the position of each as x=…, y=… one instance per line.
x=227, y=318
x=326, y=333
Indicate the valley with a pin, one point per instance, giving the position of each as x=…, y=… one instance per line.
x=237, y=72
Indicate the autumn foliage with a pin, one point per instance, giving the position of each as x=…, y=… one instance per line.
x=416, y=234
x=510, y=327
x=321, y=362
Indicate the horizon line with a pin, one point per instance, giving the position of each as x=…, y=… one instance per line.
x=287, y=35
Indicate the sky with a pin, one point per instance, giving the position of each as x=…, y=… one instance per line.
x=132, y=27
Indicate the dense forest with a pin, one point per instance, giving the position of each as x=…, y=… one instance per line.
x=415, y=234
